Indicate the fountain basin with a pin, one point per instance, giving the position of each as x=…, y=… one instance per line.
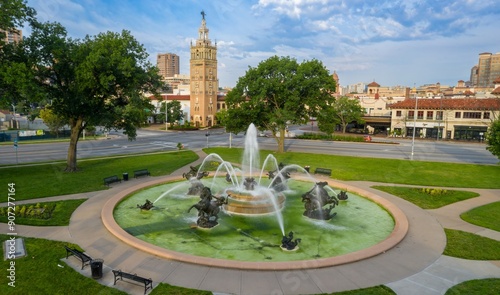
x=252, y=203
x=395, y=236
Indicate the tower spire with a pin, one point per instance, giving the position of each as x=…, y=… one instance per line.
x=203, y=30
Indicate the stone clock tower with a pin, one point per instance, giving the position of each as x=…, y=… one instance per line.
x=204, y=81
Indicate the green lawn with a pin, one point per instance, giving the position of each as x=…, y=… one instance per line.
x=39, y=272
x=385, y=170
x=163, y=288
x=427, y=198
x=486, y=216
x=377, y=290
x=476, y=287
x=470, y=246
x=50, y=179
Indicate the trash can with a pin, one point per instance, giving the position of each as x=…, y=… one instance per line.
x=96, y=268
x=125, y=176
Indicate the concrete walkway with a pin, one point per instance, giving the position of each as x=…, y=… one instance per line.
x=414, y=266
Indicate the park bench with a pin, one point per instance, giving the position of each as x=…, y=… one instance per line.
x=324, y=171
x=111, y=179
x=78, y=254
x=120, y=275
x=141, y=172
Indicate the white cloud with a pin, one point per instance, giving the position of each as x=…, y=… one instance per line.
x=389, y=41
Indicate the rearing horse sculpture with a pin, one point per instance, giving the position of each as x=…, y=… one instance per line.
x=208, y=209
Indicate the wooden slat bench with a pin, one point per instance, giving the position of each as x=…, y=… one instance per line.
x=111, y=179
x=84, y=258
x=324, y=171
x=142, y=172
x=120, y=275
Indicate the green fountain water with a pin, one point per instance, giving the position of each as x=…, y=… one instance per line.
x=258, y=214
x=359, y=224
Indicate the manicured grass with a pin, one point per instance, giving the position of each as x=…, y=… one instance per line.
x=385, y=170
x=163, y=288
x=470, y=246
x=427, y=198
x=50, y=179
x=486, y=216
x=60, y=216
x=476, y=287
x=39, y=273
x=377, y=290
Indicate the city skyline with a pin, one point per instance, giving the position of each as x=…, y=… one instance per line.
x=392, y=43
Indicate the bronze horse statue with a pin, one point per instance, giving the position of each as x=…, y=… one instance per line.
x=318, y=197
x=208, y=209
x=146, y=206
x=193, y=172
x=315, y=199
x=288, y=243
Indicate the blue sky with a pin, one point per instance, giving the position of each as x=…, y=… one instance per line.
x=391, y=42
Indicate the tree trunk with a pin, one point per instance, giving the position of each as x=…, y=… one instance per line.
x=76, y=130
x=281, y=141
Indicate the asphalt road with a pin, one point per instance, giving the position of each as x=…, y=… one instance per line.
x=151, y=141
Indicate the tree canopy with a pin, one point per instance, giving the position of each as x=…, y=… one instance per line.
x=342, y=111
x=493, y=138
x=174, y=111
x=13, y=13
x=97, y=81
x=279, y=91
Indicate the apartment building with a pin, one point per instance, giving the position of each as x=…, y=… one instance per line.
x=11, y=36
x=168, y=64
x=486, y=71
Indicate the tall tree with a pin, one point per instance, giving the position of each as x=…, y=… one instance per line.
x=13, y=70
x=344, y=111
x=279, y=91
x=493, y=138
x=13, y=13
x=55, y=123
x=97, y=81
x=327, y=120
x=174, y=111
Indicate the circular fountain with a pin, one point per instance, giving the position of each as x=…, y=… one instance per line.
x=254, y=207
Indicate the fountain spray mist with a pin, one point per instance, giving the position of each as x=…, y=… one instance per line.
x=251, y=155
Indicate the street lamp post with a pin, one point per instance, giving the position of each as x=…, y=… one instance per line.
x=166, y=116
x=440, y=118
x=414, y=125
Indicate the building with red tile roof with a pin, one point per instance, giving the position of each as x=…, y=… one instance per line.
x=458, y=118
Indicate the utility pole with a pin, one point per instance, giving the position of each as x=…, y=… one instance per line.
x=414, y=122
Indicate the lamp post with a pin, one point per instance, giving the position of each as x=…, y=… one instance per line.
x=440, y=117
x=166, y=116
x=414, y=124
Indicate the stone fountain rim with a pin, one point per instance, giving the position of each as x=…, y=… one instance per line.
x=400, y=230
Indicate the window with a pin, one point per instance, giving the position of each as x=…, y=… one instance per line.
x=430, y=114
x=439, y=115
x=486, y=115
x=472, y=115
x=420, y=115
x=398, y=113
x=411, y=114
x=458, y=115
